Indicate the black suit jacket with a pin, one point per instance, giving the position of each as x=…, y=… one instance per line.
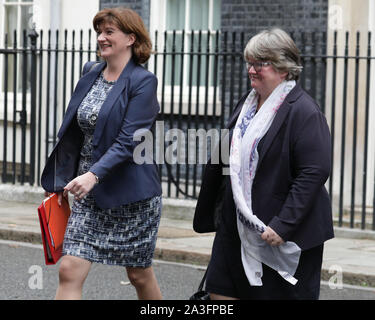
x=288, y=192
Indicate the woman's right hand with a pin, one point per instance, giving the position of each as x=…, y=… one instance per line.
x=59, y=196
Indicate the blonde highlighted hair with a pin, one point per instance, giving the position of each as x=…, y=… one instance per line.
x=277, y=47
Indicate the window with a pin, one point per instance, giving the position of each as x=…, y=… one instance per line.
x=189, y=26
x=17, y=18
x=187, y=16
x=191, y=15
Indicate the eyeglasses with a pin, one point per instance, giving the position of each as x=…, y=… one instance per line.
x=257, y=65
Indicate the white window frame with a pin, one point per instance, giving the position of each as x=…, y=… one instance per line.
x=10, y=96
x=19, y=4
x=158, y=9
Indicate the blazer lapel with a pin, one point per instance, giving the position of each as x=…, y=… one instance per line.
x=83, y=87
x=279, y=120
x=108, y=104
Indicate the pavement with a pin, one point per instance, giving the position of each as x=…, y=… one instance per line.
x=350, y=256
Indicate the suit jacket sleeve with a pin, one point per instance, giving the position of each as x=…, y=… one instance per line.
x=142, y=110
x=311, y=160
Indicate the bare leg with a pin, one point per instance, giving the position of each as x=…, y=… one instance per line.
x=214, y=296
x=145, y=283
x=72, y=274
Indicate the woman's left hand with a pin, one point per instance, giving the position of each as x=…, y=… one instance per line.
x=271, y=237
x=81, y=185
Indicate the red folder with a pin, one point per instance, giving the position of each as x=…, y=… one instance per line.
x=53, y=220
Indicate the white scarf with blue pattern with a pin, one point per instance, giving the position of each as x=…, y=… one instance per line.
x=250, y=128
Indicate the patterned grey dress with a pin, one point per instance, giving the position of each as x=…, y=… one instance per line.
x=124, y=236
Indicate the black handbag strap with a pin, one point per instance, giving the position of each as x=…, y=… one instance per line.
x=200, y=288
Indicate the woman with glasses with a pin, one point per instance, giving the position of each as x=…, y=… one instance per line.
x=273, y=210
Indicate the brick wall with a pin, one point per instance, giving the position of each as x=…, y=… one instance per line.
x=142, y=7
x=292, y=15
x=249, y=17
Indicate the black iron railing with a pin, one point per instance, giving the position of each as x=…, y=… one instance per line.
x=201, y=76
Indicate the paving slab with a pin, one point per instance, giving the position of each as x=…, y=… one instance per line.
x=352, y=257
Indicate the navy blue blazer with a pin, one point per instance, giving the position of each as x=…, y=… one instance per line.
x=130, y=105
x=288, y=192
